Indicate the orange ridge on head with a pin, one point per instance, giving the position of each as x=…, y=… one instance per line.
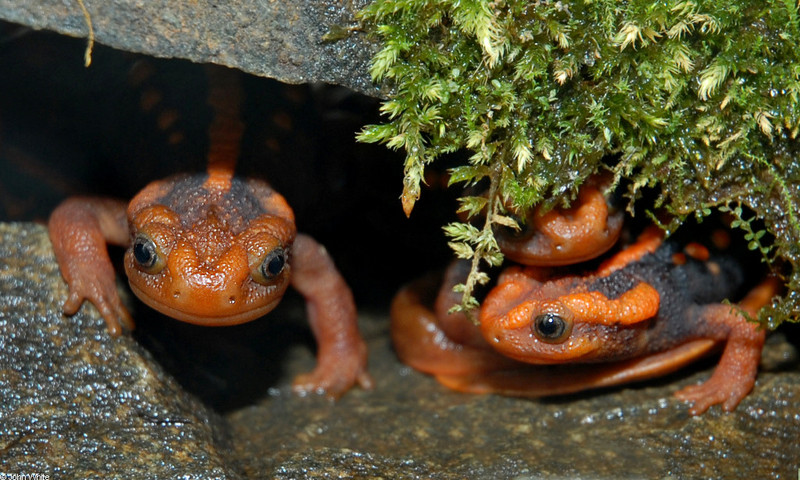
x=636, y=305
x=518, y=316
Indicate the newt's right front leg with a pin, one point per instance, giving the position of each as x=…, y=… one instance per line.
x=80, y=228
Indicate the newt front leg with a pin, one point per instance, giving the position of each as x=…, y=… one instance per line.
x=80, y=228
x=735, y=374
x=342, y=353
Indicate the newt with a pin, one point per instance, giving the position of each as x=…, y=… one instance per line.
x=647, y=311
x=211, y=249
x=565, y=236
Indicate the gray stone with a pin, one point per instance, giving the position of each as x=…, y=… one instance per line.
x=411, y=427
x=276, y=39
x=75, y=403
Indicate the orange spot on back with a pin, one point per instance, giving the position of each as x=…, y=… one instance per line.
x=175, y=138
x=721, y=239
x=167, y=118
x=714, y=268
x=697, y=251
x=282, y=120
x=140, y=72
x=648, y=242
x=273, y=144
x=149, y=100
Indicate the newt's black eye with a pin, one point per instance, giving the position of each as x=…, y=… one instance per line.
x=265, y=268
x=147, y=255
x=273, y=263
x=551, y=327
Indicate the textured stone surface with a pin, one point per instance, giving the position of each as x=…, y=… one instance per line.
x=75, y=403
x=276, y=39
x=410, y=427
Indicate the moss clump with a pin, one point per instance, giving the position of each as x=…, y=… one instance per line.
x=697, y=101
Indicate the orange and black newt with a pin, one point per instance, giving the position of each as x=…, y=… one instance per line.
x=646, y=311
x=211, y=249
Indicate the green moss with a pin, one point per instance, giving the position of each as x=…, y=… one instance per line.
x=695, y=100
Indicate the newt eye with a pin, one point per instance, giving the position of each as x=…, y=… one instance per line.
x=551, y=328
x=273, y=263
x=147, y=254
x=270, y=266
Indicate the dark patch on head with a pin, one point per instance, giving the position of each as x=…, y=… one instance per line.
x=190, y=199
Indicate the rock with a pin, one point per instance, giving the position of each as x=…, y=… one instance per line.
x=280, y=40
x=411, y=427
x=75, y=403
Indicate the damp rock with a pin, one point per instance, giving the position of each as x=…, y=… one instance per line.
x=76, y=403
x=294, y=42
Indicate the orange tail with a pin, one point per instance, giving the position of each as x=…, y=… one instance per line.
x=225, y=132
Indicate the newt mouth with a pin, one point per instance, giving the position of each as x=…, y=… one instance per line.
x=209, y=320
x=522, y=346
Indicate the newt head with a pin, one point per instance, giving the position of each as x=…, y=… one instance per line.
x=559, y=321
x=565, y=236
x=199, y=255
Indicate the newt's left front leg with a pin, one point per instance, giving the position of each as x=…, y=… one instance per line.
x=735, y=374
x=341, y=352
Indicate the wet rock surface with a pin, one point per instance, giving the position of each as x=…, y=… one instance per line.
x=410, y=427
x=76, y=403
x=281, y=40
